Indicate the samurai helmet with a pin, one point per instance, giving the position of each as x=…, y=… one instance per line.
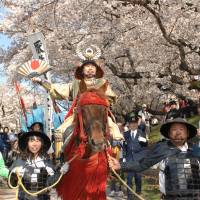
x=89, y=55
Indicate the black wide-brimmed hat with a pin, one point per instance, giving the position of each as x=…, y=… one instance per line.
x=23, y=140
x=172, y=102
x=133, y=119
x=39, y=123
x=166, y=126
x=79, y=69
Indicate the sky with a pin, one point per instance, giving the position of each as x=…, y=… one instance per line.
x=4, y=40
x=4, y=44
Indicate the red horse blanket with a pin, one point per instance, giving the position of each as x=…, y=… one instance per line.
x=85, y=180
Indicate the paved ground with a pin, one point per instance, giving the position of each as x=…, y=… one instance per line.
x=8, y=194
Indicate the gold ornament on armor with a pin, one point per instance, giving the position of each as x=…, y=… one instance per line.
x=91, y=82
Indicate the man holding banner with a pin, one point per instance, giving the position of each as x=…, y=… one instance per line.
x=90, y=74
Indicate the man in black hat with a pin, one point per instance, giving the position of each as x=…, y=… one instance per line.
x=179, y=176
x=134, y=142
x=174, y=112
x=37, y=126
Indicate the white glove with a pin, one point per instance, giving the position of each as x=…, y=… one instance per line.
x=142, y=139
x=36, y=80
x=124, y=160
x=65, y=168
x=19, y=170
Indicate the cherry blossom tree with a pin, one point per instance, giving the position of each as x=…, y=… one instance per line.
x=150, y=48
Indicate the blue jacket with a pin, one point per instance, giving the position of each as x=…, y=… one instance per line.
x=132, y=146
x=4, y=142
x=1, y=145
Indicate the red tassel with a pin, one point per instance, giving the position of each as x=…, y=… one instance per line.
x=21, y=101
x=71, y=110
x=23, y=108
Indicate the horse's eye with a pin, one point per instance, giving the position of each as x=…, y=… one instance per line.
x=87, y=128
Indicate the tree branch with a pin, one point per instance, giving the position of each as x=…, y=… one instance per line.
x=123, y=75
x=183, y=63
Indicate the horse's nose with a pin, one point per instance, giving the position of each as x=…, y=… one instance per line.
x=97, y=142
x=98, y=146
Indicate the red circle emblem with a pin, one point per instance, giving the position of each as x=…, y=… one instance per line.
x=34, y=64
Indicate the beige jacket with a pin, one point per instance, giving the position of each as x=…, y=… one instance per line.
x=70, y=90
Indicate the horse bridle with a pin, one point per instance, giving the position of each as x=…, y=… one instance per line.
x=86, y=130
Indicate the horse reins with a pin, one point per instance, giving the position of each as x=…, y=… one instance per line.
x=19, y=183
x=53, y=185
x=120, y=179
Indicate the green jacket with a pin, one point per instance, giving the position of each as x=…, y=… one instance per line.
x=3, y=170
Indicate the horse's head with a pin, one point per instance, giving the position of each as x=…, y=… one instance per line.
x=92, y=114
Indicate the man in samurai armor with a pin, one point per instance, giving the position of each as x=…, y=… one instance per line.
x=179, y=161
x=88, y=74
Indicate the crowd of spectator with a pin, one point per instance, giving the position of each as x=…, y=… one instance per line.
x=8, y=145
x=179, y=108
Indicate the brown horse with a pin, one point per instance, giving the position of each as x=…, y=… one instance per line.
x=86, y=179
